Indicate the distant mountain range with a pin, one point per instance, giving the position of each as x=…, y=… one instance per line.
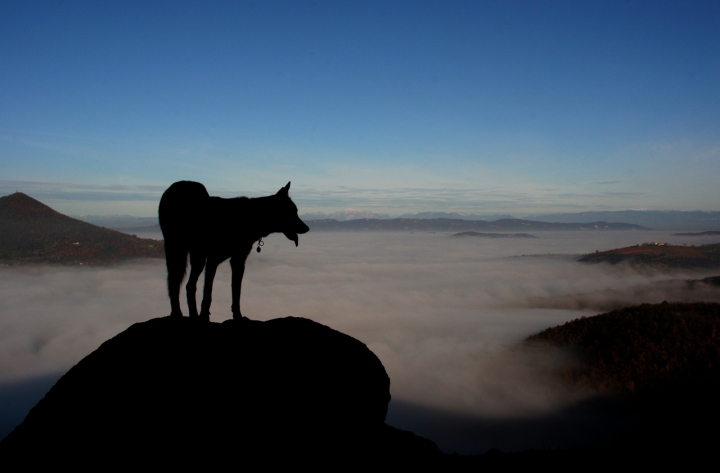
x=457, y=225
x=32, y=232
x=457, y=215
x=353, y=214
x=650, y=219
x=342, y=215
x=655, y=219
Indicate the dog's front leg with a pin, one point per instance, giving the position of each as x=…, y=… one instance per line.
x=237, y=263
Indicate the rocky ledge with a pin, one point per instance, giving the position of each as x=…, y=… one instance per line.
x=175, y=392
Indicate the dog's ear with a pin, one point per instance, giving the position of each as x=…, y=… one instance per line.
x=285, y=190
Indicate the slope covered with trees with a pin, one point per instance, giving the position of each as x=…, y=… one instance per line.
x=642, y=348
x=32, y=232
x=660, y=255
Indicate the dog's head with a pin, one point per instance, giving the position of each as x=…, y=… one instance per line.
x=290, y=223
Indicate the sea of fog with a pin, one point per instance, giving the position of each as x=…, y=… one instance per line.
x=443, y=314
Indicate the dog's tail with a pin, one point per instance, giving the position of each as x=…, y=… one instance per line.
x=176, y=255
x=181, y=208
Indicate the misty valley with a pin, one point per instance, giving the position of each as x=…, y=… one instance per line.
x=446, y=316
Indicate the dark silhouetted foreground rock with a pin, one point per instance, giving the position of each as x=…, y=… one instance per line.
x=174, y=391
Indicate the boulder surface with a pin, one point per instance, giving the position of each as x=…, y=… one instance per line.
x=178, y=391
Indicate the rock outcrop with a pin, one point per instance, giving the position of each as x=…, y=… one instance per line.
x=174, y=392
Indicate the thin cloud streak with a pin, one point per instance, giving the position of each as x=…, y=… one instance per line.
x=393, y=199
x=56, y=191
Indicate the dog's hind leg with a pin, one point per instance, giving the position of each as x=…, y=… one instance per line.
x=176, y=261
x=210, y=269
x=197, y=263
x=238, y=270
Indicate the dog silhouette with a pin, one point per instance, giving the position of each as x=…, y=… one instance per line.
x=213, y=229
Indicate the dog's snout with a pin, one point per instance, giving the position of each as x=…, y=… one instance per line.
x=301, y=227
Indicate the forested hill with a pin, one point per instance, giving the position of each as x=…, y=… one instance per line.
x=660, y=255
x=642, y=348
x=32, y=232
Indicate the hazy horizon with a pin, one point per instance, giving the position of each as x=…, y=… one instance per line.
x=666, y=219
x=77, y=200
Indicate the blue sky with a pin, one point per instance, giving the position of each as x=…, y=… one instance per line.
x=513, y=107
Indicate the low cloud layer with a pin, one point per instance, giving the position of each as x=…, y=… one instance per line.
x=441, y=313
